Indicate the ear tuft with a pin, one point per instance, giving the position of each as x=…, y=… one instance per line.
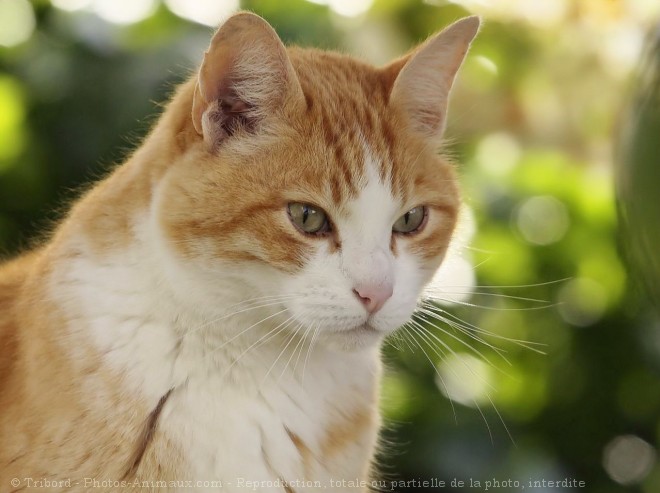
x=424, y=78
x=246, y=75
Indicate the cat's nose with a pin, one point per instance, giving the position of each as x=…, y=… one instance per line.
x=373, y=297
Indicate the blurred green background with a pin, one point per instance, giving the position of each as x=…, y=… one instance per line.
x=548, y=90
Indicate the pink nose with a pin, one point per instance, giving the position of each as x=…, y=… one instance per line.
x=373, y=297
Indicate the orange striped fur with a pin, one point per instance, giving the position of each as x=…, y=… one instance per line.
x=123, y=355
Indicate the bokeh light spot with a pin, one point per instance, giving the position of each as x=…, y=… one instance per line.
x=17, y=22
x=628, y=459
x=582, y=301
x=465, y=379
x=124, y=11
x=453, y=282
x=347, y=8
x=542, y=220
x=395, y=395
x=486, y=63
x=12, y=135
x=498, y=153
x=71, y=5
x=207, y=12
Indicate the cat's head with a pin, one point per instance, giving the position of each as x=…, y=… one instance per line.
x=315, y=183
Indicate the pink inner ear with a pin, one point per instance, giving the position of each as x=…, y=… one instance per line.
x=213, y=75
x=425, y=77
x=222, y=117
x=430, y=119
x=233, y=105
x=245, y=75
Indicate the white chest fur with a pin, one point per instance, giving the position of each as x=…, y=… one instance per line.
x=249, y=418
x=275, y=429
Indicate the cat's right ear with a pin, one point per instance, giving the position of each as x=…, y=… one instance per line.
x=246, y=75
x=421, y=81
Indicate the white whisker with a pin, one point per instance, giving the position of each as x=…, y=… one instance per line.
x=437, y=372
x=243, y=310
x=309, y=351
x=263, y=339
x=482, y=293
x=495, y=308
x=516, y=286
x=468, y=327
x=291, y=337
x=236, y=336
x=458, y=339
x=457, y=326
x=424, y=332
x=508, y=432
x=303, y=339
x=490, y=433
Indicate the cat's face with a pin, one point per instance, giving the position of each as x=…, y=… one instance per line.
x=326, y=195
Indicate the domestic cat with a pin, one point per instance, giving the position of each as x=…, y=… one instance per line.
x=210, y=314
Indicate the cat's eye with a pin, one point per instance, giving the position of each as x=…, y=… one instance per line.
x=411, y=221
x=308, y=218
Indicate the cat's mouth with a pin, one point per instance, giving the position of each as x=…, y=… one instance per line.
x=359, y=337
x=357, y=330
x=363, y=329
x=367, y=327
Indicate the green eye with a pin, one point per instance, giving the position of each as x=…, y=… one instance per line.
x=411, y=221
x=308, y=219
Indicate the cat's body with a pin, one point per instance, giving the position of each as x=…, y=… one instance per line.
x=177, y=327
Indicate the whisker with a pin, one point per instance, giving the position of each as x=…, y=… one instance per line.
x=425, y=332
x=435, y=368
x=263, y=339
x=490, y=433
x=457, y=326
x=515, y=286
x=458, y=339
x=421, y=329
x=261, y=305
x=395, y=336
x=296, y=334
x=407, y=337
x=246, y=330
x=303, y=338
x=291, y=337
x=309, y=351
x=467, y=326
x=508, y=432
x=494, y=295
x=496, y=308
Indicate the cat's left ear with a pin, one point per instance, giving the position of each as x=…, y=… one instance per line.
x=245, y=77
x=423, y=79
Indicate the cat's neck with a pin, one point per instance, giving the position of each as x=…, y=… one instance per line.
x=111, y=268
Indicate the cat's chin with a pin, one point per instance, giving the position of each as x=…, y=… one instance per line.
x=358, y=338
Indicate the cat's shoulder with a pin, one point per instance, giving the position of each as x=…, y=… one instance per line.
x=13, y=275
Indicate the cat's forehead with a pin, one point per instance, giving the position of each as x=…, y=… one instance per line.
x=348, y=117
x=343, y=94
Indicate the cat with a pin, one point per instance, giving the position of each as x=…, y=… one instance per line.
x=209, y=315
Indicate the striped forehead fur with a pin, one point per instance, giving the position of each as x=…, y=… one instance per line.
x=347, y=111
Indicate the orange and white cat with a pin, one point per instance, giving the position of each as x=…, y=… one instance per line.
x=209, y=316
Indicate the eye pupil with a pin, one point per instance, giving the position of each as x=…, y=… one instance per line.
x=411, y=222
x=308, y=218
